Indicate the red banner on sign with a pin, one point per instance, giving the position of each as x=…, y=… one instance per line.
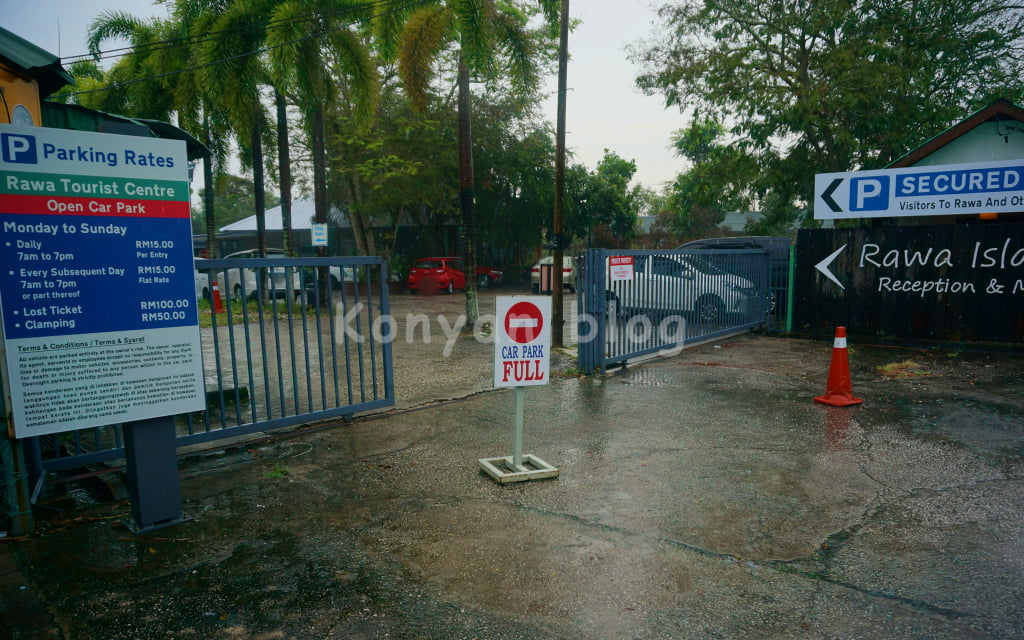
x=63, y=205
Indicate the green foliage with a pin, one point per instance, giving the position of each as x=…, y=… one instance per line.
x=514, y=176
x=602, y=200
x=717, y=182
x=832, y=85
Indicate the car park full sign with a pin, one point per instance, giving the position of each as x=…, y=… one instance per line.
x=522, y=342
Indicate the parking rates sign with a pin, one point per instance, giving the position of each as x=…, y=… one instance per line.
x=97, y=295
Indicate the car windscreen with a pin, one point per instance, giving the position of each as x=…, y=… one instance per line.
x=702, y=265
x=427, y=264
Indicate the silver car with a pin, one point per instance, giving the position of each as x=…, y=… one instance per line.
x=682, y=284
x=568, y=273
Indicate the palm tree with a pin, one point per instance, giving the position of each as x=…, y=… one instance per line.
x=484, y=32
x=153, y=81
x=309, y=40
x=233, y=71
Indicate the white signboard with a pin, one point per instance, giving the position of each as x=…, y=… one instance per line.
x=620, y=268
x=318, y=230
x=960, y=189
x=97, y=290
x=522, y=341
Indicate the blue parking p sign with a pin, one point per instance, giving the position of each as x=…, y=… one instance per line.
x=870, y=194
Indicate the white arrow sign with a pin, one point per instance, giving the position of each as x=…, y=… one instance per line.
x=824, y=264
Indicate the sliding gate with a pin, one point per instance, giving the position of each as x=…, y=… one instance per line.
x=637, y=303
x=285, y=341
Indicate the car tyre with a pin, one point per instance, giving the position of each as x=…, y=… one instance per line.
x=451, y=288
x=710, y=310
x=482, y=281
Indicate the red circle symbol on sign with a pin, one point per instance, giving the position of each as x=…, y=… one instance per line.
x=523, y=322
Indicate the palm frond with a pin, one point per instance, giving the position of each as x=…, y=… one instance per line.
x=356, y=62
x=424, y=37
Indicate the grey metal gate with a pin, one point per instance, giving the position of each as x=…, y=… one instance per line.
x=667, y=300
x=298, y=341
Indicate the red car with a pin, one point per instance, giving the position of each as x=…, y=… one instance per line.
x=447, y=274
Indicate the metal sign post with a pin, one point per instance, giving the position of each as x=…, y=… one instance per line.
x=522, y=345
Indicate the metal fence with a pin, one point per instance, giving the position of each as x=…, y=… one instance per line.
x=294, y=344
x=667, y=300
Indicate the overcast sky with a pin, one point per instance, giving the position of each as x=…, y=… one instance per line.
x=603, y=110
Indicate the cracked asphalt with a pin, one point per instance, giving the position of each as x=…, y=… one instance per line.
x=700, y=496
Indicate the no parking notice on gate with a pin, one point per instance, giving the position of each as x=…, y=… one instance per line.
x=522, y=341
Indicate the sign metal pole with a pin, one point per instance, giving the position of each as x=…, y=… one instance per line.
x=517, y=433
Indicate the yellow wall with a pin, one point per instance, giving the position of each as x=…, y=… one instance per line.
x=18, y=90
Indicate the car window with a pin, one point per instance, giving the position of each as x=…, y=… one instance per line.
x=427, y=264
x=702, y=265
x=663, y=266
x=457, y=265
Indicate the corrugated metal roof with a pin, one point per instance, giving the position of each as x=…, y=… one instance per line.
x=40, y=65
x=58, y=115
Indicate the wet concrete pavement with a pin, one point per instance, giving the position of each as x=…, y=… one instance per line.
x=700, y=496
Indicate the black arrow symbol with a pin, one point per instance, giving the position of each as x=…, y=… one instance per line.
x=827, y=196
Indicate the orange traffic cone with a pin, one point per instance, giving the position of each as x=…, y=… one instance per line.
x=218, y=304
x=839, y=392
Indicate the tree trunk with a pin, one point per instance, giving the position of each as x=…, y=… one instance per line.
x=319, y=171
x=320, y=188
x=208, y=196
x=466, y=196
x=258, y=191
x=285, y=167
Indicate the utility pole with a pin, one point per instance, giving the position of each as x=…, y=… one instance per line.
x=560, y=246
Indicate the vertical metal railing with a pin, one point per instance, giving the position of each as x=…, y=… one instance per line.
x=669, y=300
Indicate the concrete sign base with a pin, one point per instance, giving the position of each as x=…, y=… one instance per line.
x=505, y=470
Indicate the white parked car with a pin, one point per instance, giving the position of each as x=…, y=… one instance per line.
x=681, y=284
x=568, y=273
x=244, y=282
x=279, y=276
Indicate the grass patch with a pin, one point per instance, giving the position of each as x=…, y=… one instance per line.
x=248, y=312
x=905, y=369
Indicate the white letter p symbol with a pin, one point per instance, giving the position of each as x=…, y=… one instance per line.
x=867, y=188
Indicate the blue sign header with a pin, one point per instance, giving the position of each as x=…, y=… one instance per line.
x=996, y=187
